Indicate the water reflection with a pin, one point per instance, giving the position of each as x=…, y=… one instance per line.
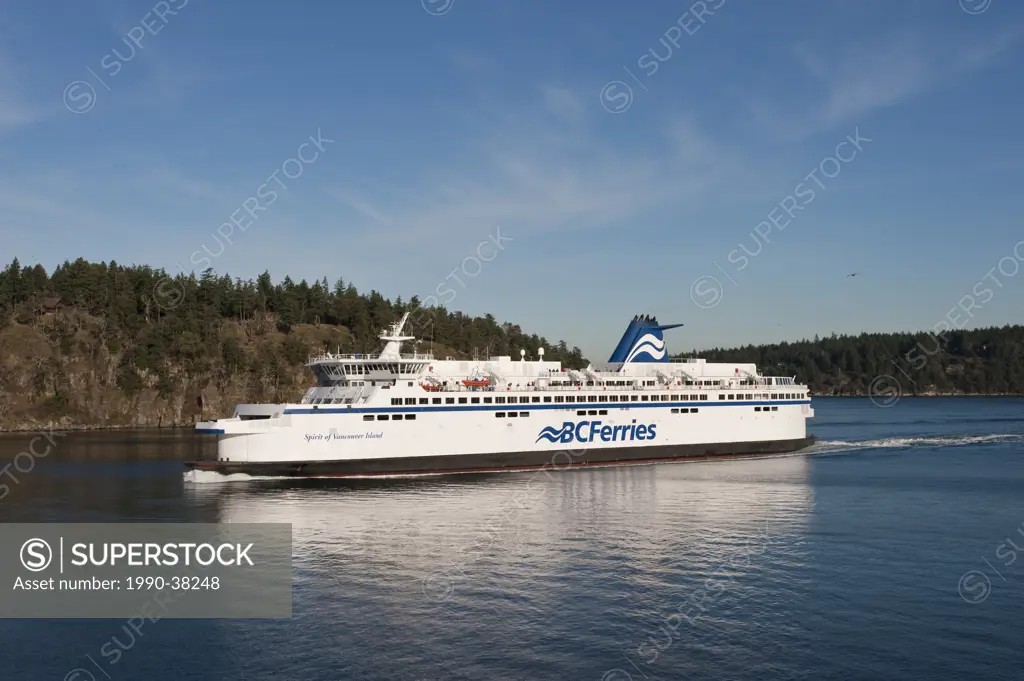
x=438, y=539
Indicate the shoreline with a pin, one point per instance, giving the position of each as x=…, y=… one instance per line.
x=82, y=428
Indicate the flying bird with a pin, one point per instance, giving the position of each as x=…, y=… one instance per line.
x=852, y=275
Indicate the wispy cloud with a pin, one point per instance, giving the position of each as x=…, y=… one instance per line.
x=360, y=206
x=15, y=109
x=468, y=62
x=563, y=102
x=869, y=77
x=165, y=179
x=850, y=80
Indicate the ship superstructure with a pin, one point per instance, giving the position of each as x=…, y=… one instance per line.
x=412, y=413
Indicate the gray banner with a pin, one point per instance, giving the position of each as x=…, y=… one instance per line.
x=149, y=571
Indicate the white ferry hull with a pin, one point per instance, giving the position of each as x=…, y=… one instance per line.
x=301, y=441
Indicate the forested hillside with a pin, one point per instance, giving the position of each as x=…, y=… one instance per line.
x=102, y=344
x=981, y=361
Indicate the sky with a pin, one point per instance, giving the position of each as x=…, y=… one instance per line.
x=564, y=166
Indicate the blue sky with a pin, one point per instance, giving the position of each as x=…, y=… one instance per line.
x=452, y=119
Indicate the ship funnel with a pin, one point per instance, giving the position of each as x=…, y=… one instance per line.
x=643, y=341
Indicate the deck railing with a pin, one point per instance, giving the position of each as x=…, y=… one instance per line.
x=330, y=357
x=459, y=388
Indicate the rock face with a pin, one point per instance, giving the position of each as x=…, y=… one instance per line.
x=65, y=370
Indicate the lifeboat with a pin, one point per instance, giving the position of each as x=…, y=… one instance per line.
x=431, y=388
x=476, y=383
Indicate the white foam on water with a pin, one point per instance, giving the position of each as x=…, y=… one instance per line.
x=838, y=446
x=195, y=477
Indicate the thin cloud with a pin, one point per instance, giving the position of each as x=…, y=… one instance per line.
x=360, y=206
x=858, y=78
x=15, y=109
x=563, y=102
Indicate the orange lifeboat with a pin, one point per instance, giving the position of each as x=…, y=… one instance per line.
x=431, y=388
x=476, y=383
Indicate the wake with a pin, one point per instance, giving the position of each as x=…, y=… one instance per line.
x=836, y=446
x=195, y=477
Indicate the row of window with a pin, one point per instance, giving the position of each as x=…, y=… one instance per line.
x=524, y=414
x=326, y=378
x=557, y=399
x=561, y=399
x=582, y=412
x=362, y=369
x=764, y=396
x=625, y=383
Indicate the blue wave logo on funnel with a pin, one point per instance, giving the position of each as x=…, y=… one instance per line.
x=643, y=341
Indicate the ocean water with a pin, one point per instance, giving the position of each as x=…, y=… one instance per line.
x=886, y=552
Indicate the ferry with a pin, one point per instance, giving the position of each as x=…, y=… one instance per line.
x=412, y=414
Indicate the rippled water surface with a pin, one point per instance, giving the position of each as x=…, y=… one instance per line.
x=886, y=552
